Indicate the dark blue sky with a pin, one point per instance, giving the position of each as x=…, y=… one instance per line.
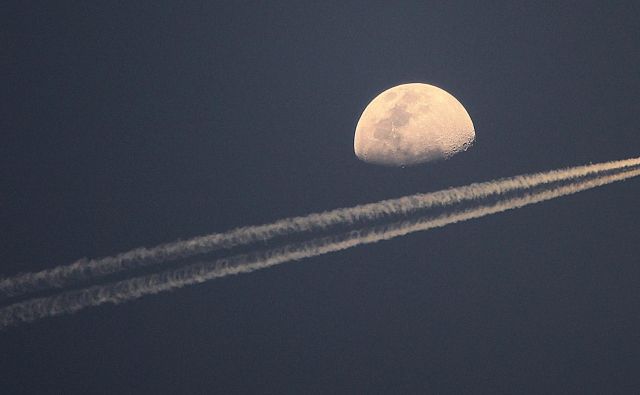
x=139, y=123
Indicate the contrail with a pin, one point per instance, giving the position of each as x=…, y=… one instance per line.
x=84, y=270
x=134, y=288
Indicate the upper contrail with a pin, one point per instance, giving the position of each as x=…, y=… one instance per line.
x=130, y=289
x=83, y=270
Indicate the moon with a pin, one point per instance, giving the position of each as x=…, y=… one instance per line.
x=411, y=124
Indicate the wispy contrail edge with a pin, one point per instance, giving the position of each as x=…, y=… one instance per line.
x=134, y=288
x=84, y=270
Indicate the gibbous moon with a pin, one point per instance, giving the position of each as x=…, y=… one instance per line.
x=411, y=124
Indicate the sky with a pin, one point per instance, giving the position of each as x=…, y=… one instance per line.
x=129, y=124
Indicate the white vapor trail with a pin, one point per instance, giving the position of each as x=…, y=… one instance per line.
x=134, y=288
x=84, y=270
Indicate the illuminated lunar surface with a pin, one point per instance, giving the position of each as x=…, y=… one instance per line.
x=411, y=124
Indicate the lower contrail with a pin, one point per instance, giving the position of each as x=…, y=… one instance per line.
x=84, y=270
x=134, y=288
